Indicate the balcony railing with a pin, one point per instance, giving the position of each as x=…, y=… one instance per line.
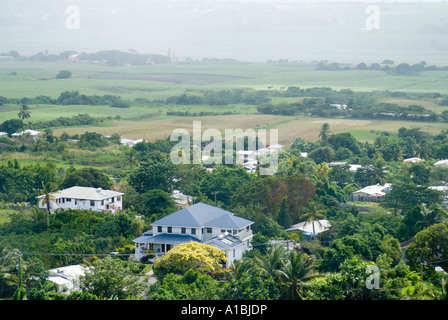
x=243, y=235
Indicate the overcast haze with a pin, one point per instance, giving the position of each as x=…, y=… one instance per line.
x=247, y=30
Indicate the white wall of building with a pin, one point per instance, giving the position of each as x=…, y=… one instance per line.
x=111, y=204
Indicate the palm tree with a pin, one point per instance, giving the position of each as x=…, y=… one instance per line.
x=241, y=267
x=378, y=170
x=130, y=156
x=8, y=272
x=424, y=150
x=24, y=113
x=324, y=132
x=47, y=198
x=313, y=212
x=295, y=275
x=429, y=215
x=271, y=262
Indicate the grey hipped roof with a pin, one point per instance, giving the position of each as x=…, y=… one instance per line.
x=203, y=215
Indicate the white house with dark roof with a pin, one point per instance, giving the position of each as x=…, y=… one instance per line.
x=201, y=223
x=84, y=198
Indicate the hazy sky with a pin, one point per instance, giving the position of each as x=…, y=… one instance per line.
x=254, y=30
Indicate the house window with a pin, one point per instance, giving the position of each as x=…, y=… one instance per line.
x=92, y=203
x=102, y=202
x=68, y=200
x=222, y=230
x=170, y=230
x=76, y=201
x=209, y=230
x=193, y=231
x=159, y=229
x=183, y=230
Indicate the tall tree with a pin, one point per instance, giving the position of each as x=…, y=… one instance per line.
x=24, y=113
x=130, y=156
x=8, y=272
x=295, y=275
x=312, y=213
x=157, y=172
x=271, y=262
x=324, y=133
x=87, y=177
x=47, y=198
x=284, y=219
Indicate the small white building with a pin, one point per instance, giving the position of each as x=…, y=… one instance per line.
x=371, y=193
x=84, y=198
x=130, y=142
x=354, y=167
x=67, y=279
x=3, y=134
x=182, y=200
x=245, y=155
x=28, y=132
x=311, y=228
x=269, y=149
x=441, y=163
x=412, y=160
x=443, y=189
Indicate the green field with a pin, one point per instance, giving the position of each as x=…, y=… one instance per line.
x=163, y=80
x=160, y=81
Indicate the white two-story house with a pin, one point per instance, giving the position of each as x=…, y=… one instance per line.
x=84, y=198
x=201, y=223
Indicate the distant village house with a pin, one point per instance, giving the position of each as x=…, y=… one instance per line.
x=84, y=198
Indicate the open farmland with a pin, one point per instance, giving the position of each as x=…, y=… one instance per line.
x=288, y=127
x=160, y=81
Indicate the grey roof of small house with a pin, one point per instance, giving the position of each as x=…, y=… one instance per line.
x=203, y=215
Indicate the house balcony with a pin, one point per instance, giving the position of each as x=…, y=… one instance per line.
x=244, y=235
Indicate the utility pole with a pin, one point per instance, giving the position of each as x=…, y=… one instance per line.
x=19, y=268
x=421, y=274
x=215, y=192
